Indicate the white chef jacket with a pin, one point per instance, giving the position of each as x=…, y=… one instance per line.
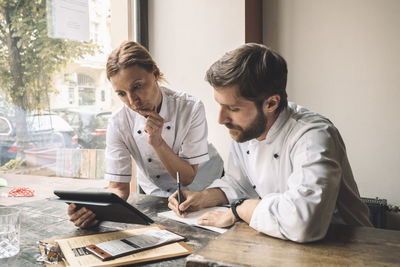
x=185, y=132
x=301, y=173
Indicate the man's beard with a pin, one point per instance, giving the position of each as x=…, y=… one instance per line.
x=255, y=129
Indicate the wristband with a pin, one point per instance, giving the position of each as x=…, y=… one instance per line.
x=234, y=204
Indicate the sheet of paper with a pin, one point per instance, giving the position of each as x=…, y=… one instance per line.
x=149, y=239
x=192, y=217
x=70, y=19
x=76, y=255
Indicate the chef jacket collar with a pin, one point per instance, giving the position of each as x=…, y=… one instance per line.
x=165, y=111
x=275, y=129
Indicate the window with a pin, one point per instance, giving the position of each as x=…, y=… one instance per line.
x=71, y=95
x=87, y=90
x=87, y=96
x=66, y=105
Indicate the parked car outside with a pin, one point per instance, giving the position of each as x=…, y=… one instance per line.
x=48, y=130
x=89, y=126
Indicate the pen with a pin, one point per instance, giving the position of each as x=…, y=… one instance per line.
x=178, y=185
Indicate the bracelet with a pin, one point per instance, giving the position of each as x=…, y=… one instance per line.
x=234, y=204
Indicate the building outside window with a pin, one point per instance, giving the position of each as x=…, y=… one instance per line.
x=87, y=90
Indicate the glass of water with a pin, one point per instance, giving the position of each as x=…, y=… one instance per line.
x=9, y=231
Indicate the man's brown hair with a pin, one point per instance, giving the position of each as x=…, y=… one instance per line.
x=256, y=69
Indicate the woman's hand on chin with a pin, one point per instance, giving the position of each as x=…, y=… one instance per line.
x=153, y=127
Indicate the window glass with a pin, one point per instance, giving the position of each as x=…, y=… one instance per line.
x=102, y=120
x=87, y=97
x=55, y=99
x=5, y=127
x=47, y=123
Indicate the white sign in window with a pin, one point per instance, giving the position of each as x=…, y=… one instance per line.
x=69, y=19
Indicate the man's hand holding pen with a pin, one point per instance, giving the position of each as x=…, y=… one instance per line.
x=190, y=201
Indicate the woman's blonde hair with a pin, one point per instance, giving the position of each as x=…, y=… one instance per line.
x=129, y=54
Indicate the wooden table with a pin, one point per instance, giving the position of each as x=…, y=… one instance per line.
x=343, y=246
x=43, y=186
x=239, y=246
x=44, y=219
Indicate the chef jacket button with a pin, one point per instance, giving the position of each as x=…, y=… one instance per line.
x=168, y=127
x=149, y=160
x=248, y=152
x=139, y=131
x=158, y=176
x=276, y=155
x=254, y=186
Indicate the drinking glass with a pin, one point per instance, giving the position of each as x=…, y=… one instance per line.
x=9, y=231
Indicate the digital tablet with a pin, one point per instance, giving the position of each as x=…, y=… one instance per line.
x=106, y=205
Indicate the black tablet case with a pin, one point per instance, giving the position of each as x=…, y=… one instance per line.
x=106, y=205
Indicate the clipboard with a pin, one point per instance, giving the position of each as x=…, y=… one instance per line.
x=106, y=205
x=112, y=249
x=168, y=251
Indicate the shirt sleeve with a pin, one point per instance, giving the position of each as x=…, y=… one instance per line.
x=194, y=148
x=235, y=183
x=303, y=212
x=117, y=157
